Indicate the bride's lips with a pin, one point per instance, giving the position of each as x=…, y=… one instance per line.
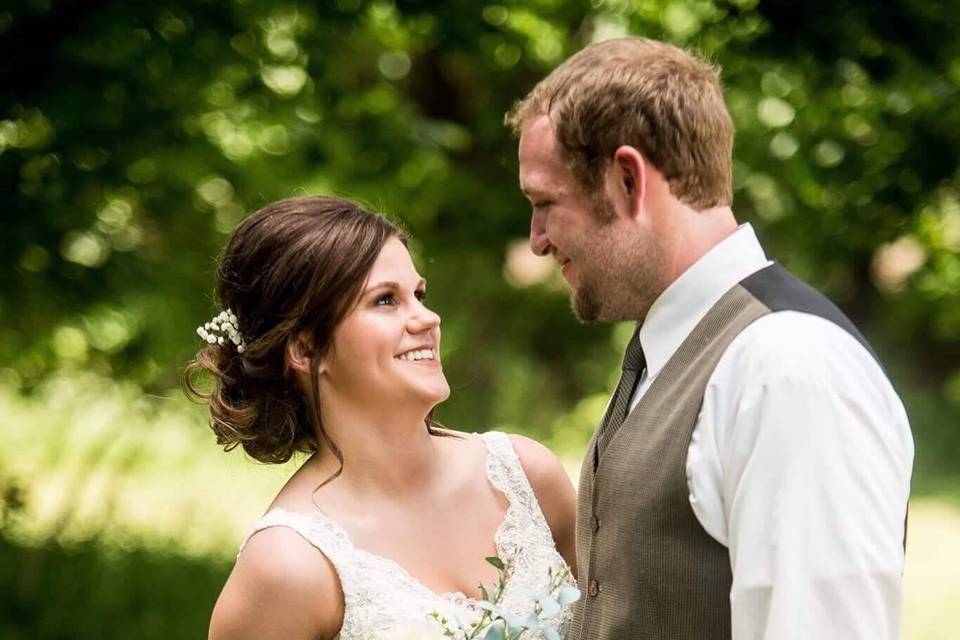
x=433, y=361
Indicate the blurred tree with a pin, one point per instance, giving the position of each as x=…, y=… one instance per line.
x=133, y=137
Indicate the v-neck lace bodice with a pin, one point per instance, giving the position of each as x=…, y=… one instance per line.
x=380, y=595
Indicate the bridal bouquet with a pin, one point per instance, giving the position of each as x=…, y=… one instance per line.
x=497, y=623
x=493, y=620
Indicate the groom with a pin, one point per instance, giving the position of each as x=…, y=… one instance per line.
x=750, y=476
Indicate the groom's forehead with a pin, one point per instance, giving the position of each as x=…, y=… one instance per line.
x=541, y=177
x=540, y=168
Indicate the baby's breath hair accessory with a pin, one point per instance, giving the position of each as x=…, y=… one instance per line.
x=222, y=328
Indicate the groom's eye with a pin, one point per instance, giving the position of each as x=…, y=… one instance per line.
x=542, y=204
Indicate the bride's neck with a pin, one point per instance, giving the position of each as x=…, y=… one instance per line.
x=385, y=453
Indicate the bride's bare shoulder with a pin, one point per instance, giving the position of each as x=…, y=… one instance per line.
x=542, y=467
x=280, y=587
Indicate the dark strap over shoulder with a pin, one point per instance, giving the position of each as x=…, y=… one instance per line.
x=779, y=290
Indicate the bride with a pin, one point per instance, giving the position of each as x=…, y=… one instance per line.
x=326, y=347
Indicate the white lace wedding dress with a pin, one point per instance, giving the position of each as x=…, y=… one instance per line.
x=380, y=596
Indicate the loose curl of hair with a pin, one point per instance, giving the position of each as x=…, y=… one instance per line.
x=296, y=266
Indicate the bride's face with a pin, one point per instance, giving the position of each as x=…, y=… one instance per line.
x=387, y=349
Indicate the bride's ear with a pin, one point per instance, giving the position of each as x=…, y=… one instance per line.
x=299, y=355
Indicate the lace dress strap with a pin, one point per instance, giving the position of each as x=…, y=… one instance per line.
x=524, y=537
x=507, y=475
x=315, y=528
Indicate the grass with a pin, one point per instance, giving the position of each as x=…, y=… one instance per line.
x=166, y=509
x=931, y=576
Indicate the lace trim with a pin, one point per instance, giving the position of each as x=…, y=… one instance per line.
x=506, y=474
x=527, y=536
x=380, y=594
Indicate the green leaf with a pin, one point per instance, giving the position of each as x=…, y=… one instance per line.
x=497, y=562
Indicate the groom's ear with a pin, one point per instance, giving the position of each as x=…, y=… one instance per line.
x=628, y=180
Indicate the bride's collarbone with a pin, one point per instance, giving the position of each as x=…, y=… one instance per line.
x=441, y=548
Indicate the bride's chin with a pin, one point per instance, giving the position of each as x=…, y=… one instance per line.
x=423, y=397
x=440, y=394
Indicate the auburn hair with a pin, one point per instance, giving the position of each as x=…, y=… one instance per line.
x=295, y=267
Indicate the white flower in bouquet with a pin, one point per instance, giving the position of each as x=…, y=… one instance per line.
x=426, y=630
x=497, y=623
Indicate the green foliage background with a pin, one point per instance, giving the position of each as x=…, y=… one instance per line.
x=133, y=137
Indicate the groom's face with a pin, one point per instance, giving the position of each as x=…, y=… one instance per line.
x=601, y=260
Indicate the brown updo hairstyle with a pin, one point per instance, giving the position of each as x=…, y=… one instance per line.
x=295, y=266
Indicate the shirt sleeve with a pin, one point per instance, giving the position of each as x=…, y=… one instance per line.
x=801, y=464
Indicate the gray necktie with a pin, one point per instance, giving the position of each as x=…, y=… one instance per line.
x=633, y=365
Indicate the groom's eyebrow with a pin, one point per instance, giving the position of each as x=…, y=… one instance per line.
x=532, y=192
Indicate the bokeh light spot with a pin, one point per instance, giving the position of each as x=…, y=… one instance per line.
x=775, y=112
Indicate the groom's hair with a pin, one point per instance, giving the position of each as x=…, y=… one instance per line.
x=664, y=101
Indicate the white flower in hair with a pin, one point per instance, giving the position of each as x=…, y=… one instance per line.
x=223, y=327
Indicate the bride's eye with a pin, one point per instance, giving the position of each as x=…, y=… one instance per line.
x=386, y=300
x=421, y=295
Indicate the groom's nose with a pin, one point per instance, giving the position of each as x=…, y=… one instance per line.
x=539, y=243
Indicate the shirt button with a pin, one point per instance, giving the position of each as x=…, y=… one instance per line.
x=594, y=588
x=596, y=524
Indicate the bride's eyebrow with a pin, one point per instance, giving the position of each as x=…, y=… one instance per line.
x=393, y=286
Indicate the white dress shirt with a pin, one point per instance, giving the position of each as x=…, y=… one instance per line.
x=799, y=464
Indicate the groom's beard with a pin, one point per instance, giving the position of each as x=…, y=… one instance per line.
x=618, y=282
x=586, y=301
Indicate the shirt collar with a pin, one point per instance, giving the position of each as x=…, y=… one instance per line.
x=682, y=305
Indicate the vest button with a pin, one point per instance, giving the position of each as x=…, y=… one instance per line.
x=594, y=588
x=596, y=524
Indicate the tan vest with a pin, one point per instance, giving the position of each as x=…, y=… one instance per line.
x=647, y=568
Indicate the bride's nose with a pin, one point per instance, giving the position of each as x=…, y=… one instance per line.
x=422, y=319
